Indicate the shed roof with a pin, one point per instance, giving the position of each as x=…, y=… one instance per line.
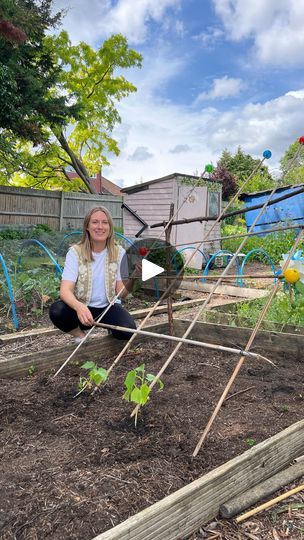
x=141, y=187
x=257, y=193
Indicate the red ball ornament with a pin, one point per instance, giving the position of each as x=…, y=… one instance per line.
x=143, y=251
x=301, y=140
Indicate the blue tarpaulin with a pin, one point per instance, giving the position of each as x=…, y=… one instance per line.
x=287, y=212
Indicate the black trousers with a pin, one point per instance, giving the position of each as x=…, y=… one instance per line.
x=65, y=318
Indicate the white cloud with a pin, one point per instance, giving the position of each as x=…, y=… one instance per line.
x=180, y=148
x=141, y=153
x=100, y=18
x=275, y=26
x=210, y=36
x=255, y=127
x=222, y=88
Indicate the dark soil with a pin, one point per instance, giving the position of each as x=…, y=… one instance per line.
x=73, y=468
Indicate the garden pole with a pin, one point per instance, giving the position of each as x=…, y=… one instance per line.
x=183, y=340
x=168, y=268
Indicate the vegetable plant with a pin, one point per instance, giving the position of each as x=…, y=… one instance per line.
x=137, y=386
x=95, y=376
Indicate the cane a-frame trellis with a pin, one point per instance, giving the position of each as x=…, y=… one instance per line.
x=184, y=339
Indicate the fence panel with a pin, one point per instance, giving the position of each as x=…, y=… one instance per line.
x=57, y=209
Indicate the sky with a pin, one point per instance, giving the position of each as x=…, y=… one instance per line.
x=217, y=74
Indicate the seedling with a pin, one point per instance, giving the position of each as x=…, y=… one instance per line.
x=96, y=375
x=251, y=442
x=137, y=389
x=32, y=370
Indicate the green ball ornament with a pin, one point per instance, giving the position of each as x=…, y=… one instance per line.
x=209, y=168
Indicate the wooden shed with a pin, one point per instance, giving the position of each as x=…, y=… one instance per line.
x=150, y=201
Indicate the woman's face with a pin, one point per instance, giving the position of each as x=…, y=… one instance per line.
x=99, y=227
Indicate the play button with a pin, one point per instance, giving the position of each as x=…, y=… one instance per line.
x=149, y=270
x=150, y=266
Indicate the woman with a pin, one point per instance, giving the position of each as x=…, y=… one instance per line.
x=91, y=279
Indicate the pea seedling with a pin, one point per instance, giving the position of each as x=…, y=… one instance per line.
x=96, y=375
x=137, y=389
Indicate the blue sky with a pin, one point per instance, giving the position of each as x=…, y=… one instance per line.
x=216, y=74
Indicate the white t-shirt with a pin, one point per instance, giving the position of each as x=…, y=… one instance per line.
x=70, y=273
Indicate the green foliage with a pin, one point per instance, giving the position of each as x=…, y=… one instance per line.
x=213, y=187
x=242, y=165
x=284, y=310
x=47, y=83
x=28, y=73
x=95, y=376
x=251, y=442
x=275, y=244
x=158, y=256
x=137, y=386
x=32, y=370
x=32, y=289
x=292, y=165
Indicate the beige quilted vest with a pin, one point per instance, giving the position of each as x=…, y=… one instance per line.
x=83, y=287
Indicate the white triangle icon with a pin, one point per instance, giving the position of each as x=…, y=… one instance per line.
x=149, y=270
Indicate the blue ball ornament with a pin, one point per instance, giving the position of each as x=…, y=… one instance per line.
x=267, y=154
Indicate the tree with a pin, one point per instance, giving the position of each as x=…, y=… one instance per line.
x=70, y=127
x=242, y=165
x=292, y=164
x=27, y=71
x=229, y=182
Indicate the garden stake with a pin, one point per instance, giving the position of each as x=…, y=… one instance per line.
x=232, y=200
x=184, y=340
x=230, y=214
x=268, y=504
x=241, y=361
x=265, y=231
x=165, y=365
x=168, y=265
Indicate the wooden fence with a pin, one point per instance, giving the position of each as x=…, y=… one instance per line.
x=58, y=209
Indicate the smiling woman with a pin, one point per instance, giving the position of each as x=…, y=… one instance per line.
x=91, y=280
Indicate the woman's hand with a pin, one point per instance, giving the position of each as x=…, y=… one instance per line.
x=84, y=315
x=67, y=295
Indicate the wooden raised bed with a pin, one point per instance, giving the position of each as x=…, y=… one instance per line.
x=107, y=346
x=189, y=508
x=183, y=512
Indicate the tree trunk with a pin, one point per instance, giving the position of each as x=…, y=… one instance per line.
x=76, y=162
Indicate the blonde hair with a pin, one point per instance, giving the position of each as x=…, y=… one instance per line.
x=85, y=242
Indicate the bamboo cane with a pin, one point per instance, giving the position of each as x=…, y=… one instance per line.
x=270, y=503
x=250, y=341
x=229, y=276
x=183, y=340
x=243, y=235
x=168, y=265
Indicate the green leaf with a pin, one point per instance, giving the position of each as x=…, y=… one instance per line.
x=98, y=375
x=136, y=396
x=150, y=377
x=88, y=365
x=140, y=368
x=144, y=393
x=130, y=380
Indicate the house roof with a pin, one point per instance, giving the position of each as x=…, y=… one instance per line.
x=101, y=184
x=145, y=185
x=264, y=192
